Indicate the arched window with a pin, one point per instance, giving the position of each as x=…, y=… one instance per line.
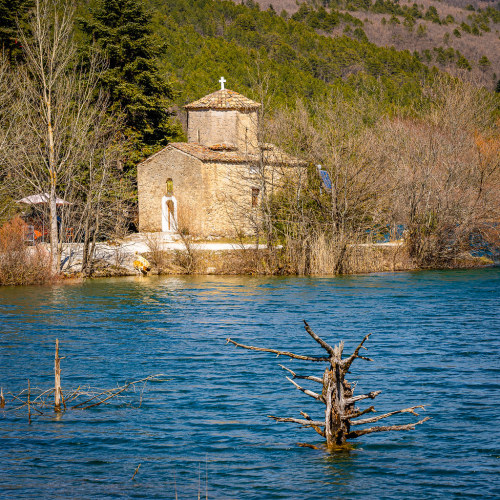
x=255, y=197
x=169, y=188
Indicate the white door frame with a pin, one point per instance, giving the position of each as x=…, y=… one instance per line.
x=168, y=220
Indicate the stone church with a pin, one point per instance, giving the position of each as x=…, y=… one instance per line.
x=211, y=185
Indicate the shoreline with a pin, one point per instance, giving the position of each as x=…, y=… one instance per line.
x=230, y=259
x=167, y=256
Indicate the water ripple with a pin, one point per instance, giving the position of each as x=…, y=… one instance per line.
x=435, y=341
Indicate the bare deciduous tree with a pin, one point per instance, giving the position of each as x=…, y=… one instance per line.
x=65, y=144
x=445, y=171
x=319, y=224
x=5, y=136
x=434, y=171
x=50, y=106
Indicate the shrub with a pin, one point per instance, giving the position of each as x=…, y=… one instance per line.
x=421, y=30
x=465, y=27
x=462, y=62
x=360, y=34
x=484, y=62
x=21, y=264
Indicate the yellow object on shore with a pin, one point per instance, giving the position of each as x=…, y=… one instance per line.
x=142, y=264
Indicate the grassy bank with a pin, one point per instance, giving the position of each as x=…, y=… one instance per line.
x=361, y=259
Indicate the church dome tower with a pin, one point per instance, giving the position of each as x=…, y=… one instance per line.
x=225, y=120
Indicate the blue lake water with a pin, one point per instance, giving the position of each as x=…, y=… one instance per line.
x=436, y=341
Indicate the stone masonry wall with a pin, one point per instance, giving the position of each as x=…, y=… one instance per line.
x=152, y=175
x=247, y=141
x=214, y=199
x=210, y=127
x=232, y=127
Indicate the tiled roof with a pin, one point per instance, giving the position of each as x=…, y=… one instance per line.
x=223, y=99
x=204, y=153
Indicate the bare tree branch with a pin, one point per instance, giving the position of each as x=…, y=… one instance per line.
x=370, y=395
x=317, y=428
x=113, y=393
x=358, y=413
x=305, y=423
x=306, y=391
x=279, y=353
x=328, y=348
x=346, y=363
x=304, y=377
x=406, y=427
x=385, y=415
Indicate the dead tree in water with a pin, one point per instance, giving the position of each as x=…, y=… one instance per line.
x=76, y=399
x=337, y=395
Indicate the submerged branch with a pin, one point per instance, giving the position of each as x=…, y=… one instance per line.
x=24, y=398
x=112, y=393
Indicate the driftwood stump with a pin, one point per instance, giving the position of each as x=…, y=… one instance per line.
x=57, y=379
x=337, y=394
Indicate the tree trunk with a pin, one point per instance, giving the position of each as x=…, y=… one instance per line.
x=330, y=417
x=86, y=246
x=57, y=379
x=54, y=237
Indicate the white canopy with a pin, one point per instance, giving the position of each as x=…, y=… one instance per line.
x=36, y=199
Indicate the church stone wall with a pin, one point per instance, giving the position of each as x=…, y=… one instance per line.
x=152, y=175
x=210, y=127
x=237, y=128
x=213, y=199
x=247, y=127
x=230, y=208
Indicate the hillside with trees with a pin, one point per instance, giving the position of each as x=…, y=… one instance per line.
x=454, y=36
x=404, y=143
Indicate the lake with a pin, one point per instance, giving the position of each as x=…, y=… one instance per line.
x=205, y=431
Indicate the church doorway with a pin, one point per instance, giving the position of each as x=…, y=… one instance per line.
x=169, y=209
x=169, y=214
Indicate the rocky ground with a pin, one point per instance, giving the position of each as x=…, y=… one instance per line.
x=117, y=257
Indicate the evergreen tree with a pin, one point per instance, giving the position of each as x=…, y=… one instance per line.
x=12, y=12
x=484, y=63
x=123, y=32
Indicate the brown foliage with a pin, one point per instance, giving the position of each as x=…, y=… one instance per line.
x=445, y=169
x=320, y=227
x=19, y=263
x=436, y=172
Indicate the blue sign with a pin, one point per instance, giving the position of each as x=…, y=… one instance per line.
x=325, y=177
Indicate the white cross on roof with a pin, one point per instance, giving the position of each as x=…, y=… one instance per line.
x=222, y=81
